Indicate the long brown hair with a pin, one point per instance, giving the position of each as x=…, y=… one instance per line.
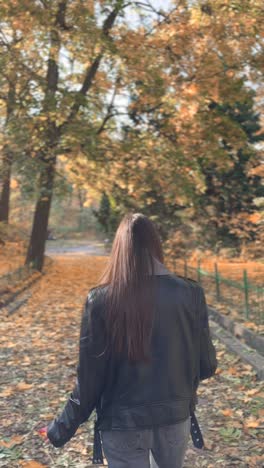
x=130, y=280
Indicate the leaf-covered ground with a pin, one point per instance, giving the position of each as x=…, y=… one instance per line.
x=39, y=346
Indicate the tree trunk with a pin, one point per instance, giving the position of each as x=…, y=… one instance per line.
x=5, y=193
x=7, y=156
x=81, y=205
x=36, y=248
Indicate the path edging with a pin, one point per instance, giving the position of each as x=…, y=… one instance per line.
x=238, y=330
x=247, y=354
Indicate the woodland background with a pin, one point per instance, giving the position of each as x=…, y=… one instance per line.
x=112, y=106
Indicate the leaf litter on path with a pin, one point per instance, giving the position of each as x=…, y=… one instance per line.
x=39, y=350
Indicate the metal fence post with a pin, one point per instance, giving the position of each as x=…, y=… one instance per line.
x=217, y=282
x=198, y=270
x=185, y=267
x=246, y=293
x=174, y=264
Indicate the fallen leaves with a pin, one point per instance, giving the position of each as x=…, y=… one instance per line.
x=232, y=371
x=230, y=433
x=41, y=372
x=22, y=386
x=14, y=440
x=32, y=464
x=252, y=422
x=227, y=412
x=6, y=392
x=251, y=325
x=252, y=391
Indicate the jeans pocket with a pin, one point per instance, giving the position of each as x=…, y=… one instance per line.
x=177, y=433
x=121, y=440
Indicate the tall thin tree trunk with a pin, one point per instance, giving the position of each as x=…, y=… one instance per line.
x=81, y=205
x=5, y=192
x=36, y=248
x=7, y=156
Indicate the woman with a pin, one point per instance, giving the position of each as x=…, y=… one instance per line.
x=144, y=347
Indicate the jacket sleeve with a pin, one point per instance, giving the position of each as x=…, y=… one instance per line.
x=208, y=361
x=91, y=372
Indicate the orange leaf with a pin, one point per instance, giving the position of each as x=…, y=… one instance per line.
x=227, y=412
x=15, y=440
x=232, y=371
x=250, y=325
x=7, y=392
x=32, y=464
x=23, y=386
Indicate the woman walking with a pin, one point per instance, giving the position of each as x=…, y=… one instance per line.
x=144, y=347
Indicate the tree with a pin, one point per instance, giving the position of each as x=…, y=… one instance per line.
x=173, y=138
x=231, y=192
x=133, y=99
x=107, y=215
x=14, y=86
x=51, y=27
x=7, y=153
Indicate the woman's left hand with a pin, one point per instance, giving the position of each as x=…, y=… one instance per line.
x=43, y=433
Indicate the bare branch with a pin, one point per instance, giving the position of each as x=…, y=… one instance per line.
x=91, y=70
x=109, y=113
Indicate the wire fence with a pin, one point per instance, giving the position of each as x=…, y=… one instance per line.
x=242, y=299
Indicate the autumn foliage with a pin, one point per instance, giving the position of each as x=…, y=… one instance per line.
x=159, y=108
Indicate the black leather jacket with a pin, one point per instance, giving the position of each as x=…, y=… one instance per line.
x=161, y=392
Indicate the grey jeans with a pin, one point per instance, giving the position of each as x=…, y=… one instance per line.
x=161, y=447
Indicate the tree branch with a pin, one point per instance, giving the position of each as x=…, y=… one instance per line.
x=91, y=70
x=109, y=113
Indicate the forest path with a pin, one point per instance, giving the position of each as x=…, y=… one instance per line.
x=39, y=351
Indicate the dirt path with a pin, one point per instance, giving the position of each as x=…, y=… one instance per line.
x=39, y=346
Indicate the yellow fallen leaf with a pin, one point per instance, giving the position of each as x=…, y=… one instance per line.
x=247, y=366
x=253, y=391
x=23, y=386
x=251, y=422
x=47, y=416
x=7, y=392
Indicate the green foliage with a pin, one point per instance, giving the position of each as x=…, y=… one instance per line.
x=230, y=433
x=108, y=214
x=230, y=192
